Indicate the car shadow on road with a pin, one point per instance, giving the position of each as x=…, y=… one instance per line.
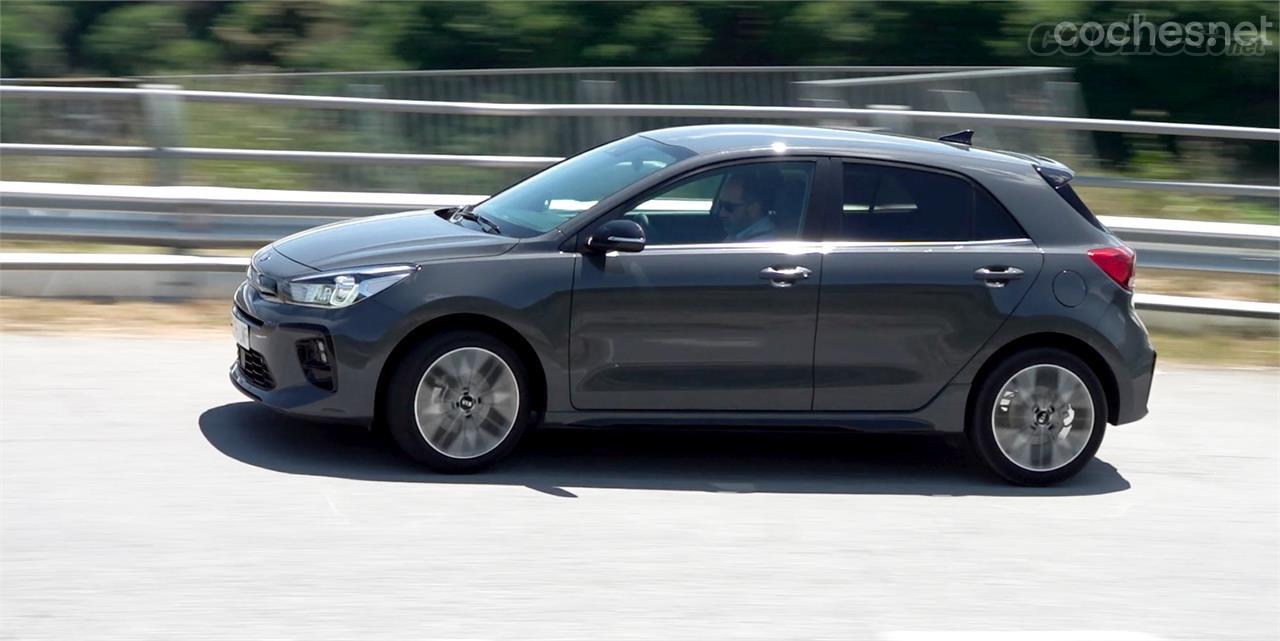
x=554, y=461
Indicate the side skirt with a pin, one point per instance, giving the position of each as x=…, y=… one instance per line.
x=945, y=413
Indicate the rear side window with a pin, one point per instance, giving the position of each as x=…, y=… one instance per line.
x=896, y=204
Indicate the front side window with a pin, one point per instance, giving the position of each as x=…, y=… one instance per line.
x=551, y=197
x=895, y=204
x=756, y=202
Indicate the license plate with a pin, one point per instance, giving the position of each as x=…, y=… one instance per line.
x=240, y=331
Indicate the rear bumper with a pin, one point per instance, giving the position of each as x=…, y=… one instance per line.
x=1132, y=361
x=1135, y=393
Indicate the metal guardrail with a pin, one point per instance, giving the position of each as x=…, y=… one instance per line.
x=40, y=261
x=225, y=201
x=208, y=217
x=166, y=153
x=543, y=71
x=694, y=111
x=920, y=76
x=216, y=153
x=532, y=162
x=1207, y=306
x=1217, y=189
x=211, y=217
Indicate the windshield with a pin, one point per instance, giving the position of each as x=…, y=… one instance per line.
x=547, y=199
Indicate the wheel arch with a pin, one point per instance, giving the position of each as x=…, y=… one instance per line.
x=466, y=322
x=1064, y=342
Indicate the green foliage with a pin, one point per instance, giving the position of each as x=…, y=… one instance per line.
x=116, y=38
x=657, y=34
x=146, y=38
x=31, y=39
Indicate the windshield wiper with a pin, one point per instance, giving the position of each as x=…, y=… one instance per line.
x=465, y=212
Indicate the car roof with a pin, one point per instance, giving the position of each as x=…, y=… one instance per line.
x=719, y=139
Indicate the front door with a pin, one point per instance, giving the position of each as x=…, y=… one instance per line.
x=718, y=312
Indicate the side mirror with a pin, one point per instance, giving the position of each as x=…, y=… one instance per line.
x=617, y=235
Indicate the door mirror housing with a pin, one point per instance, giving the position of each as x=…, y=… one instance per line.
x=617, y=235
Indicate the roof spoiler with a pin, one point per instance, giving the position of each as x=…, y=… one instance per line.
x=1054, y=172
x=963, y=137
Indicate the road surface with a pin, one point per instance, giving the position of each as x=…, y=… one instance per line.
x=143, y=498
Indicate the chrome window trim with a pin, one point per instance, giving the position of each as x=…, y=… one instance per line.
x=783, y=245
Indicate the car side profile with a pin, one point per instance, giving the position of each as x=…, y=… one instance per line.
x=717, y=275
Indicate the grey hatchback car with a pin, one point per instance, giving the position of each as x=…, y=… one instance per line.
x=732, y=275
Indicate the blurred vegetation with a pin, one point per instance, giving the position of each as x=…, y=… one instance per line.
x=43, y=39
x=123, y=39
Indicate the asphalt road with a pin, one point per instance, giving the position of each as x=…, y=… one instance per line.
x=143, y=498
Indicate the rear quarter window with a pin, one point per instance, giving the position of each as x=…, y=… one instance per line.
x=991, y=221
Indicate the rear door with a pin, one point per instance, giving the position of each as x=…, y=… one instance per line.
x=922, y=267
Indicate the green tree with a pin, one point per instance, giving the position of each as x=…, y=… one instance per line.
x=31, y=39
x=141, y=38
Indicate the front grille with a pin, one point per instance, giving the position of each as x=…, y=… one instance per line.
x=254, y=367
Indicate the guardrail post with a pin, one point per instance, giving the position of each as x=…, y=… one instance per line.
x=823, y=97
x=371, y=129
x=1065, y=99
x=600, y=128
x=163, y=113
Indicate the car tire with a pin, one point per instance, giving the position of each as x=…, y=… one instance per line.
x=458, y=402
x=1025, y=420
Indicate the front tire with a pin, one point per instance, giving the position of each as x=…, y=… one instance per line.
x=1039, y=417
x=458, y=402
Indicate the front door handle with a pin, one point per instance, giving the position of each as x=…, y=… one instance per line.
x=785, y=276
x=997, y=275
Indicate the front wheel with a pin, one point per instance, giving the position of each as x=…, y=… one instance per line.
x=458, y=402
x=1038, y=417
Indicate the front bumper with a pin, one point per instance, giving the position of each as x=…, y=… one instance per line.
x=281, y=375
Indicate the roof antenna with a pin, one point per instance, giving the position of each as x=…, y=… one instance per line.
x=964, y=137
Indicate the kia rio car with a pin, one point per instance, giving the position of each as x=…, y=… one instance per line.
x=717, y=275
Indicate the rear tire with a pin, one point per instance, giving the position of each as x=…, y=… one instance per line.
x=1039, y=417
x=458, y=402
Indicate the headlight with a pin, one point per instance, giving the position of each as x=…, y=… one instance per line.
x=342, y=288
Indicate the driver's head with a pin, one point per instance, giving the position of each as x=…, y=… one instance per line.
x=741, y=203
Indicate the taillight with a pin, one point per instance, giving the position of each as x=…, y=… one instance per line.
x=1116, y=262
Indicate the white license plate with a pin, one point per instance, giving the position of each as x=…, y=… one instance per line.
x=240, y=330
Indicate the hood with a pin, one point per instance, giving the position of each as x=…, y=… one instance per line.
x=408, y=237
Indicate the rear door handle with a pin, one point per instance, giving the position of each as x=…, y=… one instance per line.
x=997, y=275
x=785, y=276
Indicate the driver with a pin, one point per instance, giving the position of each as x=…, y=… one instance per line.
x=743, y=212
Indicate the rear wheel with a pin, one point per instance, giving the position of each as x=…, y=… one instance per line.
x=458, y=402
x=1038, y=417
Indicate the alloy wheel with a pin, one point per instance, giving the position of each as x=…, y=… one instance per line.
x=1043, y=417
x=466, y=402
